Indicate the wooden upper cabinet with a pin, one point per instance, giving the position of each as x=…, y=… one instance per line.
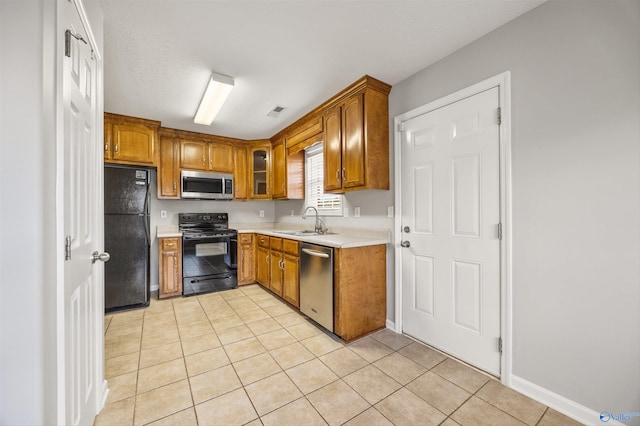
x=108, y=139
x=279, y=171
x=240, y=174
x=259, y=170
x=356, y=138
x=169, y=168
x=131, y=140
x=353, y=149
x=194, y=154
x=333, y=149
x=204, y=155
x=287, y=170
x=303, y=135
x=221, y=157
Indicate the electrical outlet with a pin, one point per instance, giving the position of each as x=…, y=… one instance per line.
x=346, y=212
x=390, y=211
x=356, y=212
x=163, y=214
x=261, y=213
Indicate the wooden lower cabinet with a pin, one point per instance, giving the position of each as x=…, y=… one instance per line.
x=291, y=279
x=246, y=259
x=170, y=262
x=360, y=290
x=262, y=260
x=277, y=267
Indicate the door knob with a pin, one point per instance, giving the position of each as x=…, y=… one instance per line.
x=405, y=244
x=104, y=257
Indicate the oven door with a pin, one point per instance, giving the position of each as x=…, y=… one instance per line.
x=207, y=264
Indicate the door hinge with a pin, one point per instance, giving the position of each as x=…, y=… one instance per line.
x=67, y=42
x=499, y=116
x=500, y=344
x=401, y=126
x=67, y=247
x=500, y=231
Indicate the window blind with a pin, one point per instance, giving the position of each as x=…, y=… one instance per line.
x=327, y=204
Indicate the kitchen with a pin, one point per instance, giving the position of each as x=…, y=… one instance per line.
x=562, y=182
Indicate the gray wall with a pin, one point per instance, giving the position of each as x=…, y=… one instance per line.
x=575, y=70
x=23, y=312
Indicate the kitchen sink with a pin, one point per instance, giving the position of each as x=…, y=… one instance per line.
x=304, y=233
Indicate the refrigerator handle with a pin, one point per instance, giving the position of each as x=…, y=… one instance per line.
x=145, y=208
x=146, y=216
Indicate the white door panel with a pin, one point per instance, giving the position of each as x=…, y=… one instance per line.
x=451, y=204
x=81, y=189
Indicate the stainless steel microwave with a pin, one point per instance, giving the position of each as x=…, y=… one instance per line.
x=206, y=186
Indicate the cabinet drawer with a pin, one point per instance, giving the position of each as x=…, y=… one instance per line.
x=246, y=238
x=290, y=247
x=170, y=243
x=276, y=243
x=263, y=241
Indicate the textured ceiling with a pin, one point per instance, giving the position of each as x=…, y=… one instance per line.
x=159, y=54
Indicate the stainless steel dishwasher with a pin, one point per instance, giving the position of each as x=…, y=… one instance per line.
x=316, y=283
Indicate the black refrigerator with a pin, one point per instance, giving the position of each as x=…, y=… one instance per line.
x=126, y=237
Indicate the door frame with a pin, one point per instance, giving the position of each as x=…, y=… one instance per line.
x=503, y=82
x=98, y=300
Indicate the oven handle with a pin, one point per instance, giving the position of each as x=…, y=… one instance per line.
x=209, y=237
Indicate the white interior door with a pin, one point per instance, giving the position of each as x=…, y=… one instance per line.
x=82, y=169
x=450, y=169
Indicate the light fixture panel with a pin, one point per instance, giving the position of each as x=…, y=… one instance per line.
x=216, y=93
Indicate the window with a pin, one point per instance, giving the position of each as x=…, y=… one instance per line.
x=327, y=204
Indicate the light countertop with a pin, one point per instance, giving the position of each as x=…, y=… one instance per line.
x=341, y=238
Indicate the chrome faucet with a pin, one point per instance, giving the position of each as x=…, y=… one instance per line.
x=320, y=227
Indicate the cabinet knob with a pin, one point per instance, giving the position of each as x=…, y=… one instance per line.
x=344, y=173
x=174, y=186
x=116, y=147
x=106, y=147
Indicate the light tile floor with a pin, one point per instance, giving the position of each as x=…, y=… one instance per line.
x=245, y=357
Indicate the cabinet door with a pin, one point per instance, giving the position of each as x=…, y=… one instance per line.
x=169, y=169
x=194, y=154
x=134, y=143
x=221, y=157
x=275, y=283
x=240, y=191
x=279, y=171
x=170, y=267
x=353, y=150
x=291, y=276
x=259, y=172
x=246, y=271
x=262, y=266
x=332, y=150
x=108, y=142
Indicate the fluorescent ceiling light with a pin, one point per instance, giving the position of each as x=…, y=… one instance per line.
x=217, y=92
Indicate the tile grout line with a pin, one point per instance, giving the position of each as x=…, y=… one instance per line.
x=239, y=309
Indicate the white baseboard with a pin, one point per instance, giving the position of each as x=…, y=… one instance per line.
x=391, y=326
x=105, y=394
x=584, y=415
